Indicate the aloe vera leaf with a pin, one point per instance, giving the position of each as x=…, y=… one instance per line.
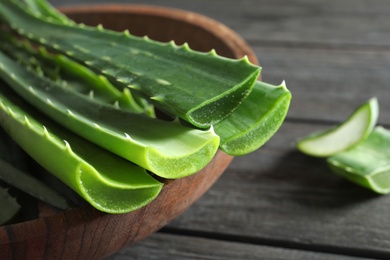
x=164, y=72
x=73, y=76
x=255, y=121
x=343, y=136
x=9, y=207
x=368, y=163
x=11, y=152
x=167, y=149
x=30, y=185
x=66, y=69
x=108, y=182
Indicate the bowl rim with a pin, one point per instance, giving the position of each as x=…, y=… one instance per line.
x=236, y=43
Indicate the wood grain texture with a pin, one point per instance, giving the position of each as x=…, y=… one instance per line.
x=172, y=247
x=328, y=84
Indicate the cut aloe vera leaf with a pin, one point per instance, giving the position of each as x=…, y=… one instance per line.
x=9, y=207
x=165, y=73
x=368, y=163
x=108, y=182
x=255, y=121
x=345, y=135
x=167, y=149
x=30, y=185
x=71, y=75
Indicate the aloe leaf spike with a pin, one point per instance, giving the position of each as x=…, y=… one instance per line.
x=168, y=149
x=255, y=121
x=165, y=73
x=106, y=181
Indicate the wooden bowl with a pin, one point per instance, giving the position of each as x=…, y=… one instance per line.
x=85, y=233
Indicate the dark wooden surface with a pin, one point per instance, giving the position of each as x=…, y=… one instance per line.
x=277, y=203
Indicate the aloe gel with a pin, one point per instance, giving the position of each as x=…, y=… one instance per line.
x=255, y=121
x=343, y=136
x=368, y=163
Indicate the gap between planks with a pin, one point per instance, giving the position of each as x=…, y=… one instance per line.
x=319, y=45
x=318, y=248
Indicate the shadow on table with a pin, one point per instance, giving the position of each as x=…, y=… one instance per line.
x=293, y=176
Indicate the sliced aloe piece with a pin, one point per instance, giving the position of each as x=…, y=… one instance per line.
x=343, y=136
x=165, y=73
x=255, y=121
x=368, y=163
x=9, y=207
x=106, y=181
x=168, y=149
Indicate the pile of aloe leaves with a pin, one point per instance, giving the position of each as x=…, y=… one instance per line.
x=85, y=103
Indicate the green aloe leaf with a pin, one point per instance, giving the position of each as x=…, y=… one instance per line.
x=368, y=163
x=30, y=185
x=343, y=136
x=9, y=207
x=168, y=149
x=255, y=121
x=106, y=181
x=165, y=73
x=72, y=75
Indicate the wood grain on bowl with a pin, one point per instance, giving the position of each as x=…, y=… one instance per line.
x=85, y=233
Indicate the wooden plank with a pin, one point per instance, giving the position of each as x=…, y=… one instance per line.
x=167, y=246
x=280, y=194
x=333, y=22
x=328, y=84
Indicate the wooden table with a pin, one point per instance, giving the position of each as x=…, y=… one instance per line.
x=278, y=203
